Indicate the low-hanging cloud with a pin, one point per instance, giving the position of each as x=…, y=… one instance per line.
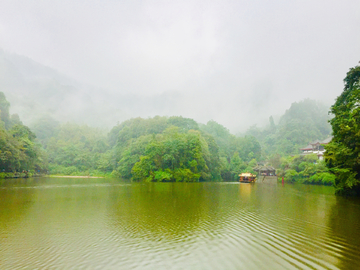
x=236, y=62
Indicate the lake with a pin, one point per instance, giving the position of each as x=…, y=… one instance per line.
x=72, y=223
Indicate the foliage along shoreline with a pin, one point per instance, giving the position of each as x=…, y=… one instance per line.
x=305, y=169
x=7, y=175
x=74, y=176
x=154, y=149
x=169, y=149
x=343, y=152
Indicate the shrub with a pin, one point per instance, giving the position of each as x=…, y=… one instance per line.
x=291, y=176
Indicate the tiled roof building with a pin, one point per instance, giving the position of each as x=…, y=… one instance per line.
x=316, y=147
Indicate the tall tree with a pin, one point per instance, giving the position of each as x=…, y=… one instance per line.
x=4, y=110
x=303, y=122
x=343, y=152
x=18, y=149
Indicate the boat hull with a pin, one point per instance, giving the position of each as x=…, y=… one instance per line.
x=247, y=181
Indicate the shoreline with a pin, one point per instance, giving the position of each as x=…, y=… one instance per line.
x=75, y=176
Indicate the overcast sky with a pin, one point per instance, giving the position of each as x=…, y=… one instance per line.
x=236, y=62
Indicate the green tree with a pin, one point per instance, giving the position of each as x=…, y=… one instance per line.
x=45, y=128
x=18, y=149
x=237, y=166
x=75, y=149
x=305, y=169
x=4, y=110
x=343, y=152
x=303, y=122
x=173, y=156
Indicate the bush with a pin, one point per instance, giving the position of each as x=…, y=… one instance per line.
x=305, y=169
x=328, y=179
x=115, y=174
x=6, y=175
x=72, y=170
x=291, y=176
x=323, y=178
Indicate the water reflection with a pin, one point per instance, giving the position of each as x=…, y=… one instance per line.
x=14, y=203
x=344, y=222
x=109, y=224
x=167, y=210
x=245, y=190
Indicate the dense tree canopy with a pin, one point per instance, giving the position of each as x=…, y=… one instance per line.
x=174, y=148
x=343, y=152
x=174, y=156
x=305, y=169
x=18, y=148
x=154, y=149
x=167, y=148
x=179, y=149
x=247, y=147
x=75, y=149
x=302, y=123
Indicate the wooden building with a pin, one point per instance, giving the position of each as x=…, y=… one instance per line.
x=316, y=147
x=265, y=170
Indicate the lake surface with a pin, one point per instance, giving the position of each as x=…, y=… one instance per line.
x=65, y=223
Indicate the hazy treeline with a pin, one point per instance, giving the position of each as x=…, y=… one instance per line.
x=153, y=149
x=307, y=169
x=164, y=148
x=19, y=151
x=302, y=123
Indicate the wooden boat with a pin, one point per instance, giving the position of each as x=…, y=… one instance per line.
x=247, y=178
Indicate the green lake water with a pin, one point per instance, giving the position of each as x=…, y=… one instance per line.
x=65, y=223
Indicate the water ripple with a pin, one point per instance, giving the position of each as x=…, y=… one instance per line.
x=123, y=226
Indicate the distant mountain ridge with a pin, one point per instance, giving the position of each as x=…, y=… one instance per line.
x=35, y=90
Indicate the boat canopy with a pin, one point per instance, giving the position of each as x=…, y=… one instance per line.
x=247, y=174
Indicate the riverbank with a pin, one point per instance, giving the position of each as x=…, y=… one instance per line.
x=4, y=175
x=28, y=175
x=76, y=176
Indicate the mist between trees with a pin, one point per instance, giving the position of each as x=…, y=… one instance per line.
x=164, y=148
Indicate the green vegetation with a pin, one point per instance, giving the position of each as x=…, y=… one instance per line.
x=20, y=155
x=173, y=156
x=74, y=149
x=343, y=152
x=154, y=149
x=306, y=169
x=179, y=149
x=302, y=123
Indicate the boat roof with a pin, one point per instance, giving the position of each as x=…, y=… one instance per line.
x=247, y=174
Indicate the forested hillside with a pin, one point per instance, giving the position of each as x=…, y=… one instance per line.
x=153, y=149
x=19, y=152
x=302, y=123
x=36, y=90
x=156, y=149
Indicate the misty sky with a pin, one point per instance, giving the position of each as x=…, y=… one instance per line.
x=236, y=62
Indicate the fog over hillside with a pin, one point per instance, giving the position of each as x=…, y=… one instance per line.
x=101, y=62
x=35, y=90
